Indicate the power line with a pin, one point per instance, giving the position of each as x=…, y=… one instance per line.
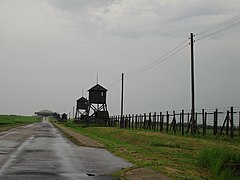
x=159, y=60
x=209, y=32
x=114, y=82
x=218, y=31
x=113, y=85
x=219, y=28
x=220, y=25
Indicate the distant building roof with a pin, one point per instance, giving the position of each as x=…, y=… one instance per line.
x=45, y=112
x=97, y=87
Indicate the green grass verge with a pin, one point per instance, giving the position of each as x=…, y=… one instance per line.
x=172, y=155
x=216, y=160
x=8, y=121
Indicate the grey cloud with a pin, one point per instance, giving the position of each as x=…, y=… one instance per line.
x=73, y=5
x=132, y=19
x=207, y=8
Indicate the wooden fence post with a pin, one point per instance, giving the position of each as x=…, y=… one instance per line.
x=140, y=116
x=227, y=125
x=161, y=122
x=132, y=120
x=113, y=121
x=126, y=120
x=232, y=133
x=158, y=121
x=196, y=122
x=167, y=121
x=154, y=120
x=215, y=122
x=206, y=114
x=136, y=121
x=182, y=122
x=239, y=123
x=204, y=121
x=174, y=122
x=145, y=119
x=149, y=121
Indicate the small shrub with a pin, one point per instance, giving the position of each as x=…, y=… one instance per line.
x=215, y=158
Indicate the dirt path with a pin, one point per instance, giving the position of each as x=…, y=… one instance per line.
x=144, y=174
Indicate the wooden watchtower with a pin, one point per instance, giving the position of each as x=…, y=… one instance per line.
x=97, y=103
x=82, y=108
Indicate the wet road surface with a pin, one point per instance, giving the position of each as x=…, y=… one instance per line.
x=40, y=151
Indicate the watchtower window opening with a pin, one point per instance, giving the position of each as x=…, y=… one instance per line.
x=102, y=94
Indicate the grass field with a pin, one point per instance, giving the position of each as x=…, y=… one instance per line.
x=178, y=157
x=9, y=121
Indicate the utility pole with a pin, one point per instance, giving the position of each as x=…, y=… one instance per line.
x=192, y=85
x=73, y=112
x=69, y=116
x=121, y=120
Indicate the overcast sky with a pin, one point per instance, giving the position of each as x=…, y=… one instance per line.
x=52, y=49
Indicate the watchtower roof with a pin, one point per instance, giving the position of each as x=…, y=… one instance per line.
x=98, y=87
x=82, y=99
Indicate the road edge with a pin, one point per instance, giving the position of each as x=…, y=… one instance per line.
x=133, y=172
x=78, y=138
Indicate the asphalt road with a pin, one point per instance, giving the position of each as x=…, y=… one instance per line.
x=40, y=151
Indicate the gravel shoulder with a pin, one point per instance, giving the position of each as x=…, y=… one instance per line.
x=78, y=138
